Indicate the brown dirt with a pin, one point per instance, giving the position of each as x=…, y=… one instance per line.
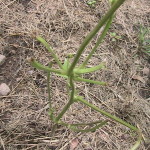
x=24, y=120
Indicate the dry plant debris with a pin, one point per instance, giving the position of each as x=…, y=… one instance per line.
x=139, y=78
x=24, y=120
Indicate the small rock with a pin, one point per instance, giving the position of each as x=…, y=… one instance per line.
x=4, y=89
x=18, y=79
x=2, y=59
x=30, y=72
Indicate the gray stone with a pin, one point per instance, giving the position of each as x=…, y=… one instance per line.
x=2, y=59
x=4, y=89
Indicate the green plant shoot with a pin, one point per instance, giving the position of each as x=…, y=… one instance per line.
x=74, y=73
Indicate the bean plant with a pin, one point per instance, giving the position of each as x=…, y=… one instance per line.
x=74, y=72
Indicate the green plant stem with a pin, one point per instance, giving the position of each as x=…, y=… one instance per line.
x=79, y=79
x=100, y=39
x=137, y=144
x=86, y=41
x=108, y=114
x=89, y=70
x=90, y=81
x=79, y=124
x=71, y=100
x=63, y=111
x=49, y=93
x=74, y=126
x=89, y=129
x=48, y=87
x=90, y=123
x=53, y=129
x=39, y=66
x=50, y=50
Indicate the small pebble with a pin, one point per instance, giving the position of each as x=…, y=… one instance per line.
x=2, y=59
x=30, y=72
x=4, y=89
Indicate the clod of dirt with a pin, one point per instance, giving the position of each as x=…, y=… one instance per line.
x=2, y=59
x=146, y=71
x=4, y=89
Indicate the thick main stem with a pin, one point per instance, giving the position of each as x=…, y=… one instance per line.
x=100, y=39
x=115, y=6
x=70, y=101
x=63, y=111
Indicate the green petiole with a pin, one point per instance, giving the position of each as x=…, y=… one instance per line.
x=48, y=47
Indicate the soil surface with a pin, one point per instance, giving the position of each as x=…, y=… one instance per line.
x=24, y=119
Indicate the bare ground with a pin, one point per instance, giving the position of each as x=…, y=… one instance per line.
x=24, y=120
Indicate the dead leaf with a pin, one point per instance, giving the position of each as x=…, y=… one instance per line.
x=74, y=143
x=139, y=78
x=146, y=71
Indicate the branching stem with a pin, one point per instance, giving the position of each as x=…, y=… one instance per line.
x=71, y=100
x=108, y=114
x=72, y=74
x=100, y=39
x=86, y=41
